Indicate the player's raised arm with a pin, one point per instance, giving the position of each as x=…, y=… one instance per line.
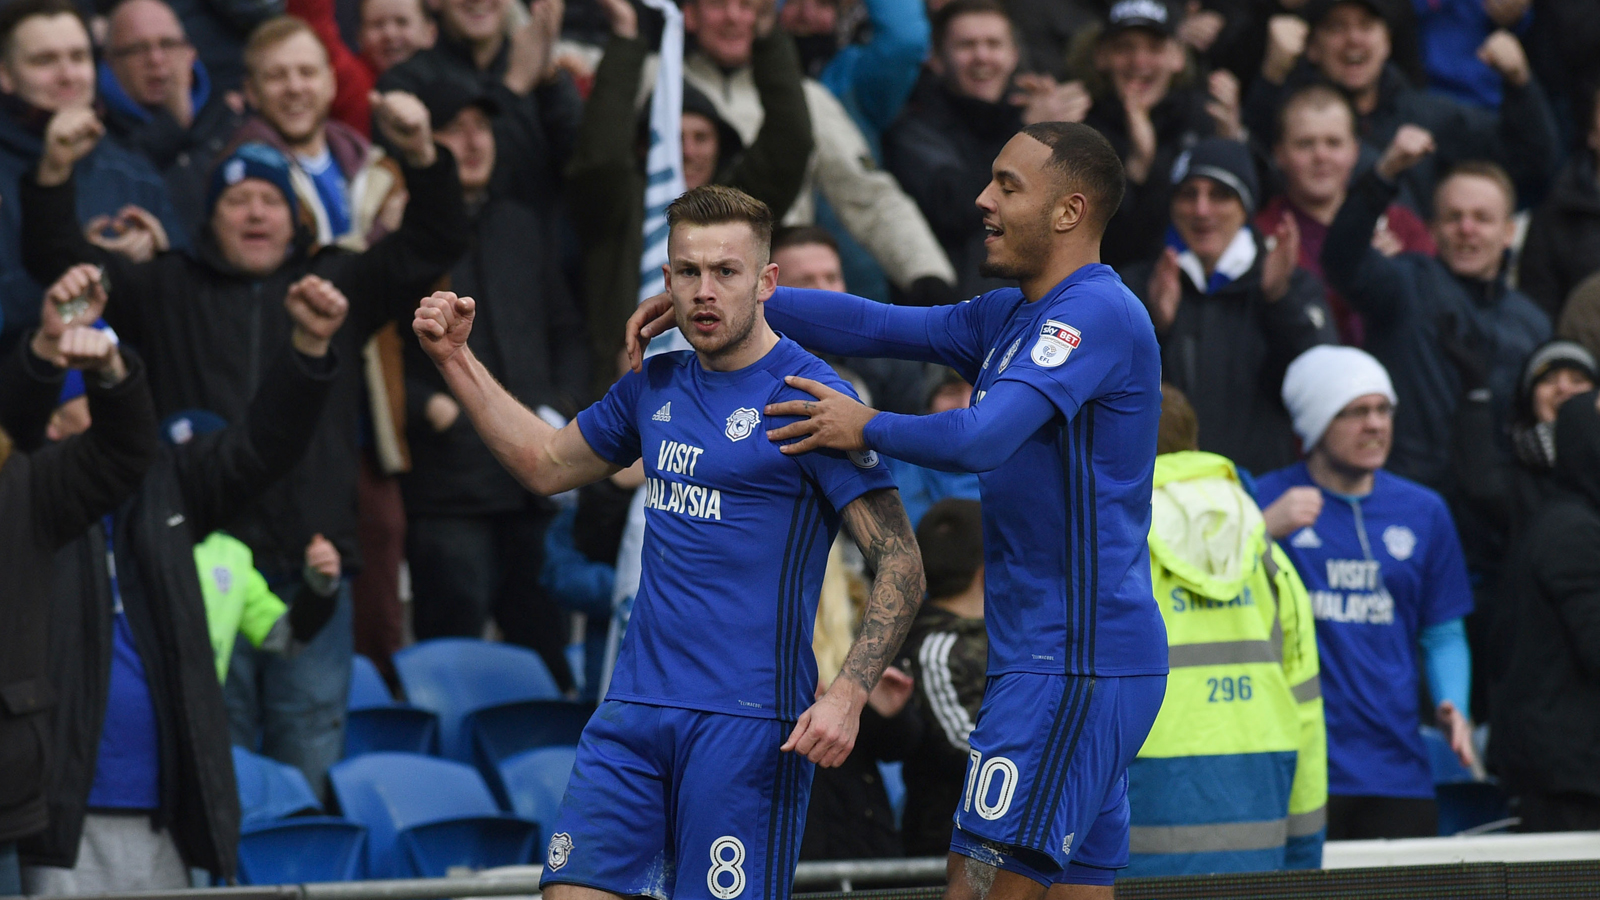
x=545, y=460
x=877, y=521
x=835, y=322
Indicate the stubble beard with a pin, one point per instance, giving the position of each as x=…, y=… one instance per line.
x=736, y=334
x=1031, y=249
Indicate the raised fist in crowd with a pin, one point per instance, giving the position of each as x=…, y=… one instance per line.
x=69, y=137
x=318, y=310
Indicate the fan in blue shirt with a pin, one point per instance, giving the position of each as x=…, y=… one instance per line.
x=1062, y=432
x=682, y=785
x=1381, y=559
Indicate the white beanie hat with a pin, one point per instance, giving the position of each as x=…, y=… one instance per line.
x=1323, y=380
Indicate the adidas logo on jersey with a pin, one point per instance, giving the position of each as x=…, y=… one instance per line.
x=664, y=414
x=1306, y=539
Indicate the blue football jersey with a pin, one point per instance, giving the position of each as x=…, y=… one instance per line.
x=737, y=534
x=1066, y=519
x=1379, y=570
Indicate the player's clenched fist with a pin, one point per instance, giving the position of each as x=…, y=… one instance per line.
x=318, y=309
x=442, y=323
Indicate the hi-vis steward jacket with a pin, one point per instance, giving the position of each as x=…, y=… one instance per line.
x=1233, y=776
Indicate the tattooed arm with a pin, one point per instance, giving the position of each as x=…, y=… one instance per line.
x=826, y=733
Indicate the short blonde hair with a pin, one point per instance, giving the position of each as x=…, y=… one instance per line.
x=273, y=32
x=717, y=204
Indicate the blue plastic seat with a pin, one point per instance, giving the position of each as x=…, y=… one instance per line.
x=367, y=687
x=535, y=781
x=1464, y=802
x=402, y=797
x=390, y=729
x=375, y=723
x=296, y=851
x=457, y=676
x=501, y=732
x=270, y=790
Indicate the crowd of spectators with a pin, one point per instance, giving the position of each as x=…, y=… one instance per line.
x=231, y=207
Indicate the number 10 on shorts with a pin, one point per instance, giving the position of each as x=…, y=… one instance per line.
x=990, y=785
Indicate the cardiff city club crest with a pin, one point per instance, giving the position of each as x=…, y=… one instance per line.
x=741, y=423
x=1057, y=340
x=560, y=850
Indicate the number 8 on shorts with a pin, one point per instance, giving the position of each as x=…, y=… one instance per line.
x=727, y=865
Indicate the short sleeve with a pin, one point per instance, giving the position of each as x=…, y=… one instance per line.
x=1081, y=345
x=611, y=426
x=841, y=476
x=1449, y=592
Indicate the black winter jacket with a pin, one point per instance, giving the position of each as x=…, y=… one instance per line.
x=47, y=499
x=1563, y=245
x=1137, y=231
x=528, y=333
x=941, y=150
x=1227, y=351
x=191, y=491
x=211, y=332
x=183, y=156
x=850, y=816
x=533, y=134
x=1405, y=300
x=1546, y=732
x=1521, y=136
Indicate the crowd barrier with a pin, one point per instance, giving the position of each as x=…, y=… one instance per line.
x=1490, y=867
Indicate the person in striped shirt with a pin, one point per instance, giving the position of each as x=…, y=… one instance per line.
x=947, y=653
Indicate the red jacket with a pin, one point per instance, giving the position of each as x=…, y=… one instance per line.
x=354, y=76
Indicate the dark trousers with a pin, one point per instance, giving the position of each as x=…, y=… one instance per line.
x=466, y=568
x=1366, y=818
x=1557, y=812
x=381, y=530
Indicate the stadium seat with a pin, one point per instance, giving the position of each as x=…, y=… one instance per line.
x=457, y=676
x=270, y=790
x=535, y=781
x=367, y=688
x=375, y=723
x=301, y=850
x=1465, y=803
x=406, y=801
x=501, y=732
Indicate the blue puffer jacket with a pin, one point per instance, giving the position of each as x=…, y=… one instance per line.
x=109, y=178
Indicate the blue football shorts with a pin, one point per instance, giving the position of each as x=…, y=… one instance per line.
x=1047, y=780
x=680, y=805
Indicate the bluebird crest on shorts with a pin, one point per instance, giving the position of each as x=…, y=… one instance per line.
x=741, y=422
x=560, y=850
x=1057, y=340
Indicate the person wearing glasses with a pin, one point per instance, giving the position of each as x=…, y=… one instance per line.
x=161, y=100
x=47, y=92
x=1381, y=559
